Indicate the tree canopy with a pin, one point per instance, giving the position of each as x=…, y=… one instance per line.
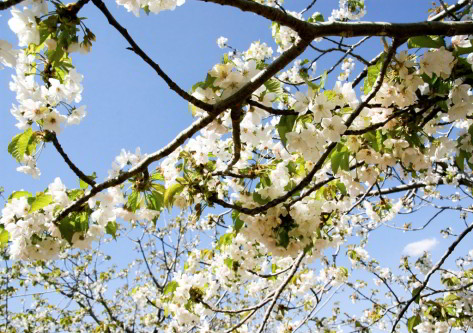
x=257, y=216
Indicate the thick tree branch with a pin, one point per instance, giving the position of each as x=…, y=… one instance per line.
x=74, y=9
x=9, y=3
x=310, y=31
x=437, y=17
x=166, y=150
x=308, y=178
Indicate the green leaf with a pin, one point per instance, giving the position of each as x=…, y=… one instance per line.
x=335, y=160
x=416, y=294
x=316, y=17
x=157, y=176
x=460, y=160
x=341, y=187
x=413, y=322
x=132, y=203
x=425, y=41
x=40, y=201
x=170, y=193
x=170, y=287
x=372, y=140
x=225, y=240
x=273, y=86
x=4, y=236
x=259, y=199
x=373, y=72
x=283, y=237
x=19, y=194
x=111, y=229
x=55, y=56
x=67, y=229
x=285, y=125
x=340, y=159
x=237, y=223
x=22, y=143
x=228, y=262
x=78, y=222
x=83, y=185
x=155, y=201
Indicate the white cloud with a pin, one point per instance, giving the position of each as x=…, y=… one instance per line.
x=418, y=248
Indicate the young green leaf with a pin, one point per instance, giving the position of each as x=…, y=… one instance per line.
x=40, y=201
x=111, y=229
x=170, y=193
x=285, y=125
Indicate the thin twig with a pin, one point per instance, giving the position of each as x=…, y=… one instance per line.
x=430, y=273
x=68, y=161
x=280, y=289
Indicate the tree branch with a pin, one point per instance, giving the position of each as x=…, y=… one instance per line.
x=66, y=158
x=272, y=110
x=309, y=31
x=283, y=285
x=430, y=273
x=135, y=48
x=9, y=3
x=166, y=150
x=236, y=131
x=307, y=179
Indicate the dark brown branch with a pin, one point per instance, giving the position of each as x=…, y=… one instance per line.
x=235, y=99
x=9, y=3
x=74, y=9
x=156, y=283
x=308, y=178
x=272, y=110
x=311, y=31
x=430, y=273
x=280, y=289
x=166, y=150
x=113, y=22
x=267, y=276
x=437, y=17
x=236, y=132
x=68, y=161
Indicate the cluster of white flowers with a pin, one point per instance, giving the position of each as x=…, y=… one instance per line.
x=348, y=65
x=258, y=51
x=154, y=6
x=222, y=42
x=348, y=10
x=433, y=327
x=38, y=103
x=32, y=232
x=7, y=54
x=284, y=36
x=126, y=158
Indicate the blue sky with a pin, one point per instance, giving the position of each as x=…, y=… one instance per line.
x=128, y=105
